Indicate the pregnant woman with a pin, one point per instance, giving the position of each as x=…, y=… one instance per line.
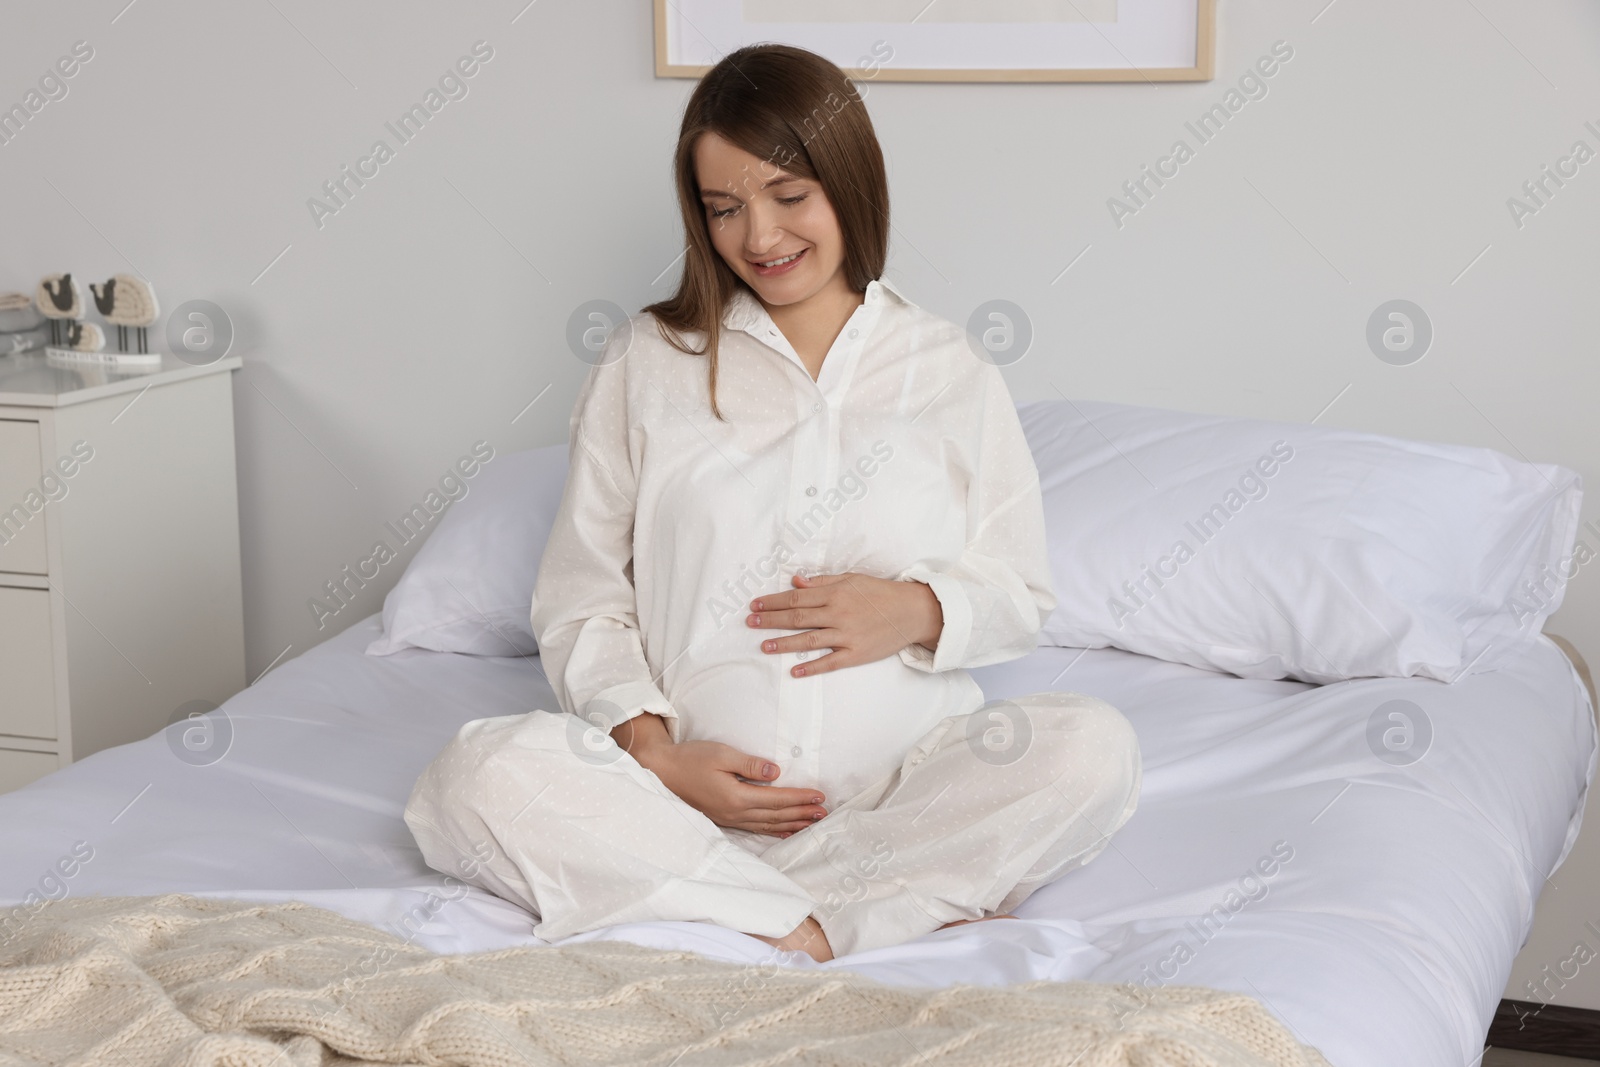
x=798, y=508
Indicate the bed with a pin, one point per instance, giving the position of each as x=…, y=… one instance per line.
x=1371, y=894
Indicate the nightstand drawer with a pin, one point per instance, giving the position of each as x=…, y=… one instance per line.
x=17, y=769
x=26, y=664
x=22, y=543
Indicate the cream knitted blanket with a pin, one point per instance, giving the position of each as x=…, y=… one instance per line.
x=181, y=981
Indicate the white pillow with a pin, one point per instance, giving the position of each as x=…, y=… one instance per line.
x=1274, y=550
x=470, y=586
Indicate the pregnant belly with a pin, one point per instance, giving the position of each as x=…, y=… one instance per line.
x=838, y=732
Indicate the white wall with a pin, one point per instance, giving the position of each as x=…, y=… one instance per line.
x=431, y=309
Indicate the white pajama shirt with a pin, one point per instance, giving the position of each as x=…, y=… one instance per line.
x=905, y=460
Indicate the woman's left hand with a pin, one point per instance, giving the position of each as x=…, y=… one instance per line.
x=860, y=617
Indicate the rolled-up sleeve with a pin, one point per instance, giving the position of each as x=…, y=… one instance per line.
x=585, y=611
x=997, y=593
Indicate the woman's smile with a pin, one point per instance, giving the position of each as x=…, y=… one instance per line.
x=783, y=265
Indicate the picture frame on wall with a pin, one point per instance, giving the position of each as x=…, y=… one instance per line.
x=952, y=40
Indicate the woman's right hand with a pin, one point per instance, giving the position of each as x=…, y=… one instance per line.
x=707, y=775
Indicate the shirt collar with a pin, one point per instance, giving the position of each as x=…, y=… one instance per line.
x=745, y=312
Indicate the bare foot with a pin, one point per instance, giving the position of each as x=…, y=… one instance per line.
x=986, y=918
x=807, y=937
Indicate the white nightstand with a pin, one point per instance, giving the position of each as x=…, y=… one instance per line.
x=119, y=555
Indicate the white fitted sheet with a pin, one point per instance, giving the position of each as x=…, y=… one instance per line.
x=1386, y=939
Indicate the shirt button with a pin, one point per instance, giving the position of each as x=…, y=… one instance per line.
x=799, y=655
x=795, y=751
x=811, y=490
x=816, y=407
x=854, y=333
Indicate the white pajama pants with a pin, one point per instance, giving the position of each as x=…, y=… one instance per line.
x=985, y=809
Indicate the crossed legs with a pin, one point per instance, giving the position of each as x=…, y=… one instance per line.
x=985, y=809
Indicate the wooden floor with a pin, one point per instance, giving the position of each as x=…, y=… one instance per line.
x=1499, y=1057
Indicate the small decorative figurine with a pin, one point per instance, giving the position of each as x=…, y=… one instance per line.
x=127, y=301
x=85, y=337
x=59, y=297
x=124, y=300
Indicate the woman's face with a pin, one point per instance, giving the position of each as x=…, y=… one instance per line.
x=757, y=213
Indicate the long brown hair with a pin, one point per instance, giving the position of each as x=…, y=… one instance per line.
x=798, y=112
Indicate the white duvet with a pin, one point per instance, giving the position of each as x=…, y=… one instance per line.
x=1368, y=877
